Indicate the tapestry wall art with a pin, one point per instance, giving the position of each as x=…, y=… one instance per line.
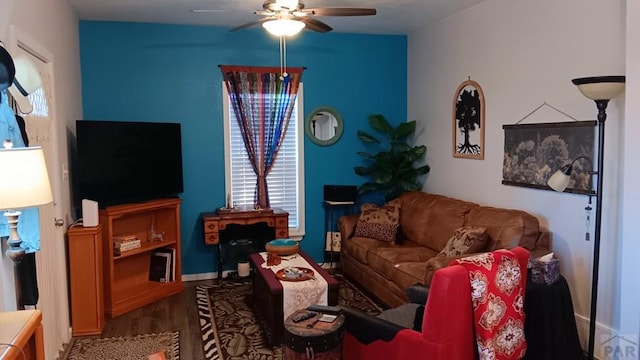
x=534, y=152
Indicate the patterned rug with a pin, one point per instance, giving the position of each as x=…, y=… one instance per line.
x=236, y=333
x=137, y=347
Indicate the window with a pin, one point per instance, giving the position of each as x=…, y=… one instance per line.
x=286, y=179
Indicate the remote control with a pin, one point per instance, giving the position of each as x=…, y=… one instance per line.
x=303, y=316
x=325, y=309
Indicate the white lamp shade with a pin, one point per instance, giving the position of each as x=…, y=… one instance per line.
x=24, y=181
x=559, y=181
x=600, y=87
x=283, y=27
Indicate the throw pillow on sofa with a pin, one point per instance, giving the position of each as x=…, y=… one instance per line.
x=380, y=223
x=466, y=240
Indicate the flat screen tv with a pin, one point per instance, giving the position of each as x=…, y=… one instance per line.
x=124, y=161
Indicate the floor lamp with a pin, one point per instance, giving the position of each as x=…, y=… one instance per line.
x=24, y=183
x=601, y=89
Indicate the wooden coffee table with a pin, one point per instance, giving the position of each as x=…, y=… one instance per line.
x=267, y=296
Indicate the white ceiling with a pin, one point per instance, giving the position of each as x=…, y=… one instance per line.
x=394, y=16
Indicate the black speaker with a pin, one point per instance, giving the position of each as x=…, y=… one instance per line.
x=340, y=193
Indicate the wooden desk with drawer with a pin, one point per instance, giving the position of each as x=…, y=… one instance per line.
x=215, y=222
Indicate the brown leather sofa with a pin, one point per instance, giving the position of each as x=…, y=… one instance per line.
x=427, y=222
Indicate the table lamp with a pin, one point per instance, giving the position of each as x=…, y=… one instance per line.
x=24, y=183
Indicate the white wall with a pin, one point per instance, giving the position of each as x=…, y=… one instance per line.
x=630, y=206
x=52, y=25
x=524, y=53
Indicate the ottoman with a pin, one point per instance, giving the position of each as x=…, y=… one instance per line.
x=267, y=297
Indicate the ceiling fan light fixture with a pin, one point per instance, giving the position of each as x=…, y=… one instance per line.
x=283, y=27
x=287, y=4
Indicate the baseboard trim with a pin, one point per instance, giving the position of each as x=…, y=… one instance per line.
x=208, y=276
x=201, y=276
x=603, y=333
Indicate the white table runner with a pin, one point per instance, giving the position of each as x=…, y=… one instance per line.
x=298, y=295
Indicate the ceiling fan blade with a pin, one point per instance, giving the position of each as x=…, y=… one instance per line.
x=315, y=25
x=207, y=11
x=341, y=11
x=250, y=24
x=265, y=13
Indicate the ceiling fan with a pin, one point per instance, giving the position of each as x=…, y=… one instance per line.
x=294, y=13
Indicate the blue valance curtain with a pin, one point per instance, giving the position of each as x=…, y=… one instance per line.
x=262, y=101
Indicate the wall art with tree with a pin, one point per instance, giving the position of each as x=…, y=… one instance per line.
x=468, y=121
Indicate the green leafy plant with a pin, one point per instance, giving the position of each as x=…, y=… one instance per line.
x=393, y=169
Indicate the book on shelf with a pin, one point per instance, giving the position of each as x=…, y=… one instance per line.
x=125, y=242
x=129, y=245
x=166, y=268
x=159, y=267
x=123, y=238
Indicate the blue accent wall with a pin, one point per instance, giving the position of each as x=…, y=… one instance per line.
x=156, y=72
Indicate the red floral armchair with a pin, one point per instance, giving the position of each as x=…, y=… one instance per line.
x=455, y=324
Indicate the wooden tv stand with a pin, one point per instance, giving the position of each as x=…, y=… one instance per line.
x=126, y=276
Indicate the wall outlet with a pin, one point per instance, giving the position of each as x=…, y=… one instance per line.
x=332, y=241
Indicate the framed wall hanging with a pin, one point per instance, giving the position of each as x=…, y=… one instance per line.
x=468, y=121
x=533, y=152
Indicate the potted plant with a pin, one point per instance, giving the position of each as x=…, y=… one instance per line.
x=393, y=169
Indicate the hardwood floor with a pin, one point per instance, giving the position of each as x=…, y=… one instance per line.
x=177, y=312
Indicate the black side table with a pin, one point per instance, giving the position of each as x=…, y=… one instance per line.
x=550, y=324
x=332, y=212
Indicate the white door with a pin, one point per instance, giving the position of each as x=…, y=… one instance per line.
x=51, y=259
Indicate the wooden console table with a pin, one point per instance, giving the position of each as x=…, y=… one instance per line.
x=217, y=221
x=23, y=330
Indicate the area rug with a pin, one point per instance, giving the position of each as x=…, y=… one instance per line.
x=137, y=347
x=230, y=329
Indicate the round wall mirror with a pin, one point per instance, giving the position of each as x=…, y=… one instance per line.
x=324, y=126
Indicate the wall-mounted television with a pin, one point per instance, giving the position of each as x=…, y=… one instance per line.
x=126, y=161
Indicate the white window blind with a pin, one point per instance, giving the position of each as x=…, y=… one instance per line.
x=286, y=179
